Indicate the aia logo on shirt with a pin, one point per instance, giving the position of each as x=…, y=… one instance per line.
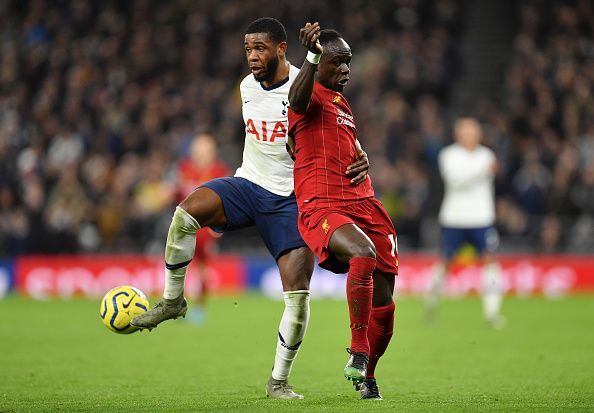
x=279, y=130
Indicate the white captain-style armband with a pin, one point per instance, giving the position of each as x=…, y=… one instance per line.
x=313, y=58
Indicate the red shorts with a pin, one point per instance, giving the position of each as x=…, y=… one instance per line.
x=317, y=225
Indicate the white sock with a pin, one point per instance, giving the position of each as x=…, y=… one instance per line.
x=290, y=332
x=436, y=287
x=491, y=293
x=179, y=250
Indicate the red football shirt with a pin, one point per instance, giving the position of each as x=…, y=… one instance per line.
x=191, y=176
x=325, y=145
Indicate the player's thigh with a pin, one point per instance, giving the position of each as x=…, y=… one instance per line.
x=317, y=226
x=237, y=202
x=296, y=267
x=485, y=241
x=206, y=206
x=276, y=220
x=348, y=241
x=378, y=226
x=451, y=241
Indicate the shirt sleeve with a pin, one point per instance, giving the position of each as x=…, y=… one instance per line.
x=297, y=121
x=316, y=99
x=241, y=92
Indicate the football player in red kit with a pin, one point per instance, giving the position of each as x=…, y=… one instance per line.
x=201, y=166
x=343, y=223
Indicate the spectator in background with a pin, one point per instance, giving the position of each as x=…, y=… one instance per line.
x=201, y=166
x=531, y=182
x=549, y=239
x=547, y=107
x=65, y=211
x=152, y=197
x=583, y=192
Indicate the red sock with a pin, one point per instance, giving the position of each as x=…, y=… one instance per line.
x=381, y=327
x=359, y=293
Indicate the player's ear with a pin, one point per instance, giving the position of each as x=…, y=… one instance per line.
x=281, y=48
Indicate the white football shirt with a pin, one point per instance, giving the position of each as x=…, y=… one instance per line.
x=265, y=158
x=469, y=194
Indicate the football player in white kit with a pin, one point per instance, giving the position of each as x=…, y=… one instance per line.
x=468, y=213
x=260, y=194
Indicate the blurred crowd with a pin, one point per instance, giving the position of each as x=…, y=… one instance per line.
x=101, y=103
x=542, y=128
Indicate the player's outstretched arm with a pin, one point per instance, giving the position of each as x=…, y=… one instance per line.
x=302, y=87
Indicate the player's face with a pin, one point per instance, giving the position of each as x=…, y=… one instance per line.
x=262, y=55
x=334, y=67
x=204, y=150
x=468, y=132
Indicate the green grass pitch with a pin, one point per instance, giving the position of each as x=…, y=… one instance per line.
x=57, y=356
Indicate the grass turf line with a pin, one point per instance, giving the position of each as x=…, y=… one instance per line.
x=57, y=356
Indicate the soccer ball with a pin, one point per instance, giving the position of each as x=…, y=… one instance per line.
x=120, y=305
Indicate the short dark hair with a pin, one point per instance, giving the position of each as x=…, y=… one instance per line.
x=275, y=29
x=328, y=35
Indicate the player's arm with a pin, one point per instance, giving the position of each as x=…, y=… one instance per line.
x=302, y=87
x=290, y=146
x=360, y=168
x=459, y=175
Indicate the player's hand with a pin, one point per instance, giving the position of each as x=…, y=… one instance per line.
x=359, y=168
x=309, y=37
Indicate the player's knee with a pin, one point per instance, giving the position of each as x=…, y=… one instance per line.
x=190, y=206
x=296, y=268
x=203, y=206
x=363, y=250
x=296, y=284
x=296, y=279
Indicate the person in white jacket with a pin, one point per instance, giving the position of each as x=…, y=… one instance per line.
x=467, y=214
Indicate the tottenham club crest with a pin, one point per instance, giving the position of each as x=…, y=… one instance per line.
x=285, y=104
